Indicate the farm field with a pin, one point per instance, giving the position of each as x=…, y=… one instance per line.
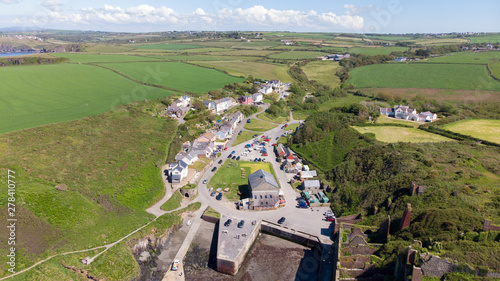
x=420, y=75
x=495, y=69
x=296, y=55
x=323, y=72
x=247, y=68
x=175, y=75
x=486, y=129
x=259, y=125
x=108, y=168
x=230, y=175
x=167, y=46
x=437, y=94
x=63, y=92
x=401, y=134
x=466, y=57
x=237, y=44
x=376, y=50
x=486, y=38
x=340, y=102
x=86, y=58
x=201, y=57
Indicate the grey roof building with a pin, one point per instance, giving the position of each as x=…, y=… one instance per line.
x=264, y=190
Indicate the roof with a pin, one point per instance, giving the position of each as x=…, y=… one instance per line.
x=308, y=174
x=311, y=183
x=262, y=180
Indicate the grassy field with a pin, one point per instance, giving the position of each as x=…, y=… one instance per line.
x=63, y=92
x=230, y=175
x=173, y=202
x=376, y=50
x=383, y=119
x=495, y=69
x=297, y=55
x=401, y=134
x=259, y=125
x=486, y=129
x=109, y=164
x=86, y=58
x=200, y=164
x=485, y=38
x=266, y=117
x=323, y=72
x=246, y=68
x=245, y=136
x=300, y=115
x=176, y=75
x=167, y=46
x=340, y=102
x=437, y=94
x=420, y=75
x=466, y=57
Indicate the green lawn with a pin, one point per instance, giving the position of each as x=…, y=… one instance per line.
x=487, y=129
x=297, y=55
x=85, y=58
x=231, y=175
x=245, y=136
x=211, y=212
x=176, y=75
x=383, y=119
x=168, y=46
x=300, y=115
x=373, y=51
x=173, y=202
x=259, y=125
x=495, y=69
x=422, y=75
x=323, y=72
x=109, y=164
x=44, y=94
x=266, y=117
x=340, y=102
x=245, y=68
x=292, y=126
x=401, y=134
x=200, y=164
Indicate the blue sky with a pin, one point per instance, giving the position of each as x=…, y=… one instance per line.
x=379, y=16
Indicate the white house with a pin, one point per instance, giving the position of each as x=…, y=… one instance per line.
x=266, y=89
x=185, y=100
x=257, y=97
x=220, y=105
x=178, y=171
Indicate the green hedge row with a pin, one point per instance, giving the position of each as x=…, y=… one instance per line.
x=456, y=136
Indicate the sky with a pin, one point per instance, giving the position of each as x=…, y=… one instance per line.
x=356, y=16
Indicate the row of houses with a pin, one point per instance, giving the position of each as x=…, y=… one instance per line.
x=221, y=105
x=269, y=87
x=407, y=113
x=249, y=99
x=202, y=147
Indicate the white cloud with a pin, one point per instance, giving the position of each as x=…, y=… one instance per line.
x=356, y=10
x=53, y=5
x=250, y=18
x=9, y=1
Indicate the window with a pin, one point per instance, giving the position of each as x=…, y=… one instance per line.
x=266, y=196
x=261, y=197
x=267, y=203
x=270, y=196
x=255, y=196
x=262, y=203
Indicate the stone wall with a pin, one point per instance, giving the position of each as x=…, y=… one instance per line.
x=290, y=234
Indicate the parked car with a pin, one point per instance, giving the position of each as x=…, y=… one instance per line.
x=225, y=148
x=219, y=196
x=277, y=138
x=254, y=136
x=330, y=218
x=234, y=157
x=281, y=220
x=213, y=193
x=263, y=159
x=303, y=204
x=264, y=154
x=241, y=224
x=175, y=265
x=238, y=158
x=228, y=222
x=233, y=152
x=220, y=161
x=260, y=159
x=229, y=156
x=214, y=168
x=249, y=120
x=255, y=160
x=205, y=181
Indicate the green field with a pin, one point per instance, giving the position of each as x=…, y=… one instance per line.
x=376, y=50
x=485, y=38
x=323, y=72
x=173, y=202
x=420, y=75
x=230, y=175
x=266, y=117
x=39, y=95
x=383, y=119
x=297, y=55
x=466, y=57
x=109, y=164
x=495, y=69
x=167, y=46
x=175, y=75
x=401, y=134
x=486, y=129
x=85, y=58
x=259, y=125
x=247, y=68
x=340, y=102
x=244, y=136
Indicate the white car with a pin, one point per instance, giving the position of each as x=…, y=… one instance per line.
x=175, y=265
x=188, y=223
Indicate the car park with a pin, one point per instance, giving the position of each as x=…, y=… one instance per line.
x=228, y=222
x=205, y=181
x=241, y=224
x=281, y=220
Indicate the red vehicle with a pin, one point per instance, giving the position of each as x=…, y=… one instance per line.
x=264, y=154
x=286, y=125
x=330, y=218
x=266, y=139
x=273, y=144
x=225, y=148
x=263, y=136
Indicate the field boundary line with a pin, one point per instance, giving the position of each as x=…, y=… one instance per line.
x=491, y=72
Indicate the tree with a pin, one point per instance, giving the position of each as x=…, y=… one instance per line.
x=199, y=105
